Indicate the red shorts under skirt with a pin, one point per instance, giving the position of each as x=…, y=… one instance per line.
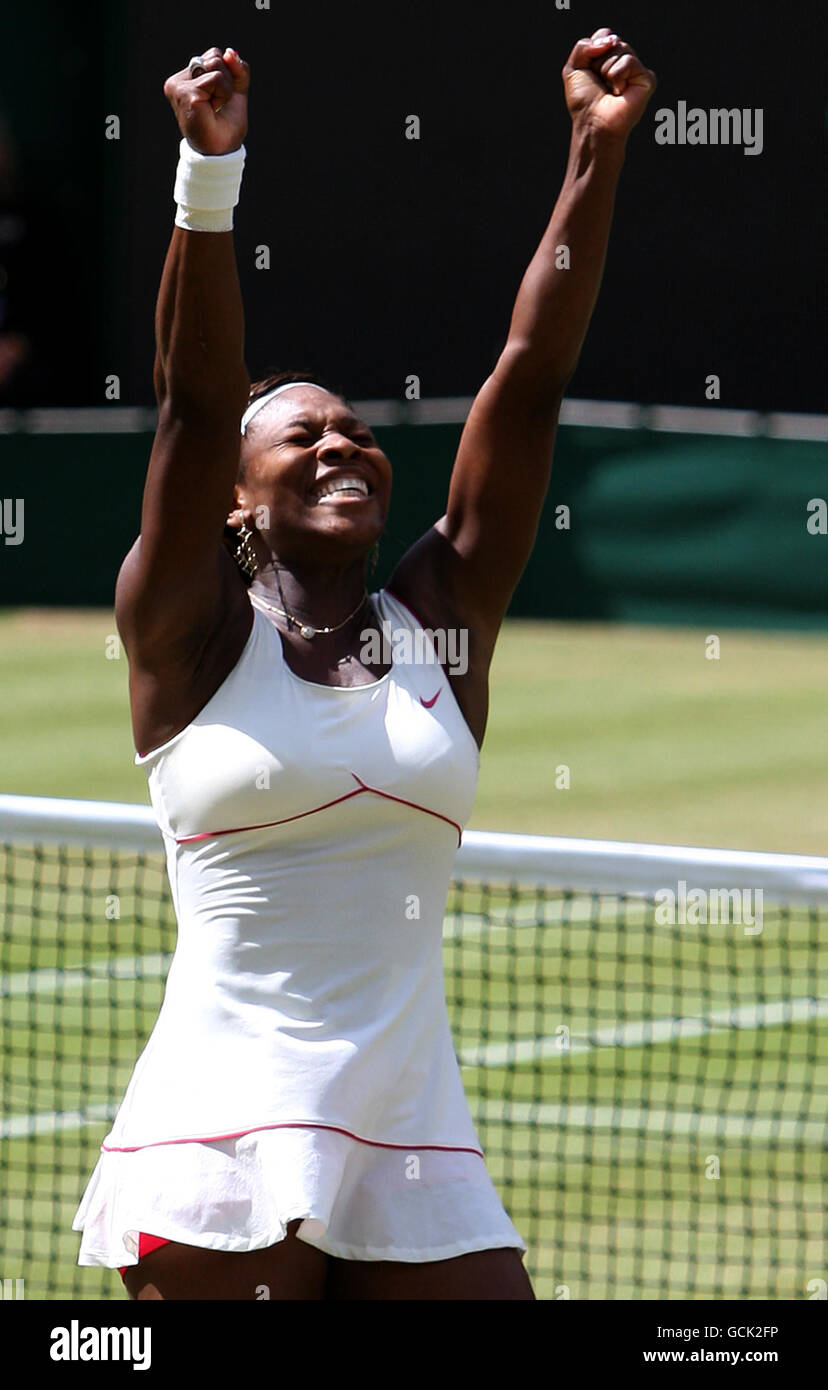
x=146, y=1245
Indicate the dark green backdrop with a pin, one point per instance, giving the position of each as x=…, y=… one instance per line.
x=663, y=527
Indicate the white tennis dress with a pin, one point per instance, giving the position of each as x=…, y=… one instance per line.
x=302, y=1065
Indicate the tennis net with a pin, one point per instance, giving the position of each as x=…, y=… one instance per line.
x=638, y=1029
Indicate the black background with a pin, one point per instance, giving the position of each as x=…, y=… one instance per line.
x=391, y=256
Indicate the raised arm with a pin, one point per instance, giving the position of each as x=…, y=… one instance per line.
x=172, y=584
x=473, y=559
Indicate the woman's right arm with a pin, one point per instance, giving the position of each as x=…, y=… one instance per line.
x=175, y=584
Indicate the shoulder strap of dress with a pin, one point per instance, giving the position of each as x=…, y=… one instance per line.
x=397, y=617
x=268, y=629
x=393, y=608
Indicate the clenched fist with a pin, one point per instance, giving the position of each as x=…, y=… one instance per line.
x=606, y=84
x=211, y=108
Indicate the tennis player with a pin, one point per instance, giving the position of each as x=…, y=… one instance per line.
x=296, y=1126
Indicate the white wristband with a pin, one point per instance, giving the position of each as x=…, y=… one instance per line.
x=207, y=188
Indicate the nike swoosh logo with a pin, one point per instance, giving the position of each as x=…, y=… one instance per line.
x=429, y=703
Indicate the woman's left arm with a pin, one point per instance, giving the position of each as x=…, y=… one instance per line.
x=470, y=567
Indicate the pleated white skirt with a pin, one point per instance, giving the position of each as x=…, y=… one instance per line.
x=356, y=1201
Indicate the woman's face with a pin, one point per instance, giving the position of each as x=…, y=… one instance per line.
x=315, y=478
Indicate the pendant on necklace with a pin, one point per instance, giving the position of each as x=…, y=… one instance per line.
x=306, y=632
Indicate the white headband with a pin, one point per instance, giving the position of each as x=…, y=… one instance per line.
x=266, y=399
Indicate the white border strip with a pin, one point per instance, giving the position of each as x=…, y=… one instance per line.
x=55, y=1121
x=703, y=420
x=650, y=1123
x=96, y=824
x=646, y=1032
x=615, y=866
x=608, y=415
x=597, y=866
x=453, y=410
x=22, y=984
x=116, y=419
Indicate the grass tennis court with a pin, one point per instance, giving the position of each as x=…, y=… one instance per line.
x=600, y=1151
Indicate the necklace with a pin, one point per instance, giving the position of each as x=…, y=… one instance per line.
x=305, y=629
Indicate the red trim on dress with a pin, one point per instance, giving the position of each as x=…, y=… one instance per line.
x=402, y=801
x=266, y=825
x=363, y=787
x=291, y=1124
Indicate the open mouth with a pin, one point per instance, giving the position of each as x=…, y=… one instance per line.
x=342, y=489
